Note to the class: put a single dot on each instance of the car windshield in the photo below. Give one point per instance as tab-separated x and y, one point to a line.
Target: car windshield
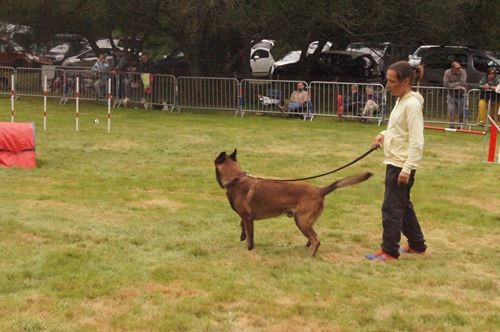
61	48
264	43
314	45
421	51
292	56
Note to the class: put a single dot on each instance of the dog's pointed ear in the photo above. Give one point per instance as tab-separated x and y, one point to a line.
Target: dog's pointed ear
233	155
220	158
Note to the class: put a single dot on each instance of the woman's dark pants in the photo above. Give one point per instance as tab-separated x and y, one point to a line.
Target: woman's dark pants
398	214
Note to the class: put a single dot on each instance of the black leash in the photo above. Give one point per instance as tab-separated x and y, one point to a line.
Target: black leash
320	175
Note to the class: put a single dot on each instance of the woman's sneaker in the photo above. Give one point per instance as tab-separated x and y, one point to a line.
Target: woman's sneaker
410	250
380	256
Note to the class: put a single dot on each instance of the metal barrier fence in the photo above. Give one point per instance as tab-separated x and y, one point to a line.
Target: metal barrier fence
350	100
270	96
58	83
483	103
145	89
6	80
207	92
455	108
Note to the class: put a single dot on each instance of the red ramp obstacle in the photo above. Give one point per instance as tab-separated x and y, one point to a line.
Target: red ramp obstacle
17	145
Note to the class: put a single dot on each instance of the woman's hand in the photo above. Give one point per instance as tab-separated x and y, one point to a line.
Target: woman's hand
378	141
403	178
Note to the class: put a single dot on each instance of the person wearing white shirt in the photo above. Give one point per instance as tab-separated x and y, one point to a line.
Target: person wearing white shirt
403	143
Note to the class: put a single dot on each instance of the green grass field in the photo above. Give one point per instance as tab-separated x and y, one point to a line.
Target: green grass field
130	231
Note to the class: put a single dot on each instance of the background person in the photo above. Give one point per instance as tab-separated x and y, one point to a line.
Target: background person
101	68
487	85
121	81
299	101
403	143
146	68
372	102
455	79
353	101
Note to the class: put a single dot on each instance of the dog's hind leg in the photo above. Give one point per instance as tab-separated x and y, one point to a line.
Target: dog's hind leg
315	243
309	233
243	235
299	226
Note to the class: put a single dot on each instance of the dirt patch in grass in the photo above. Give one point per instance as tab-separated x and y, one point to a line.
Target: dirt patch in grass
173	290
158	202
490	205
117	144
100	313
54	205
254	323
30	237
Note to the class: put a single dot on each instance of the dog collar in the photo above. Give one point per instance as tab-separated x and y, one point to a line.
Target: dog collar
234	181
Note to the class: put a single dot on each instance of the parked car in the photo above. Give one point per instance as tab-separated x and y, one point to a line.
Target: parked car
174	63
294	56
261	59
13	55
415	58
384	53
106	43
87	58
338	66
290	57
131	44
64	46
437	59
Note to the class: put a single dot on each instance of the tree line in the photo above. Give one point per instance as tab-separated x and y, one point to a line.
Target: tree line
216	35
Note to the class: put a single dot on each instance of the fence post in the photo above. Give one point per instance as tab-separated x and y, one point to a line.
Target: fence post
45	93
77	115
12	97
109	104
176	95
240	99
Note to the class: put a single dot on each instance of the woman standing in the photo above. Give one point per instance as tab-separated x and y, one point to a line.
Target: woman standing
403	143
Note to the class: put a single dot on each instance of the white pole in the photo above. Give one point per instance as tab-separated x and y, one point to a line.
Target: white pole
45	92
77	100
12	98
109	104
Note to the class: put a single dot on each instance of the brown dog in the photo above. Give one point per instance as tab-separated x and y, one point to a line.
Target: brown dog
255	199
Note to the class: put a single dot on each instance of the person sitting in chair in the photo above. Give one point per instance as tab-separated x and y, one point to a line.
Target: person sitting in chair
372	102
299	101
353	101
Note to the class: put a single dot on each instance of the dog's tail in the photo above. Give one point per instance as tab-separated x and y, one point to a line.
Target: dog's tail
348	181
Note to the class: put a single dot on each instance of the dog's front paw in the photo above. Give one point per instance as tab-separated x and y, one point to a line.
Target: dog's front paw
243	237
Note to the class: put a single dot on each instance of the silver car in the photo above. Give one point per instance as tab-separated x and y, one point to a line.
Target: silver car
86	59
